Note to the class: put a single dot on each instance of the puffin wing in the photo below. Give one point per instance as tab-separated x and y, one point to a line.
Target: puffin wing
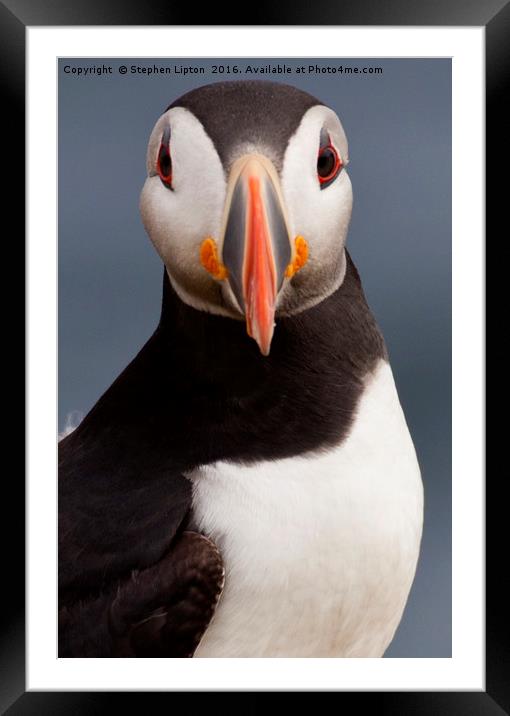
161	611
132	580
113	521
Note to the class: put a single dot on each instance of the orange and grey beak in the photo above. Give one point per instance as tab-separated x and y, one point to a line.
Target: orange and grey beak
256	248
256	251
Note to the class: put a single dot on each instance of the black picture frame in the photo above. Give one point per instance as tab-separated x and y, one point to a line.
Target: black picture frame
15	17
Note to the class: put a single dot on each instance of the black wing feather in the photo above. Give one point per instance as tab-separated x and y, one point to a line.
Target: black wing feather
161	611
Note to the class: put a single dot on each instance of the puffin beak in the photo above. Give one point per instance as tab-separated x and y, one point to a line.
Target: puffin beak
256	243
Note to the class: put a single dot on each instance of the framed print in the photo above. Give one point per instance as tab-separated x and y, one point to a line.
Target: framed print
408	99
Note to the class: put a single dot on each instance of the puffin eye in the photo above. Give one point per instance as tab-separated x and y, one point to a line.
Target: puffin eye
329	164
164	164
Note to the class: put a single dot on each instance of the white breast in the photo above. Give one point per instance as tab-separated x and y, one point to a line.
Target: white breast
320	550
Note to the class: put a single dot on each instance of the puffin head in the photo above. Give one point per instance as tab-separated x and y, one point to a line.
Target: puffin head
247	201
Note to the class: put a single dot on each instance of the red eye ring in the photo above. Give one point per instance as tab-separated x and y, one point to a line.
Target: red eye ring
164	162
329	164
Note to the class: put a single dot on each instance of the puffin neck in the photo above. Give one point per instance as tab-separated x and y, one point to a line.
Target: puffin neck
200	391
339	332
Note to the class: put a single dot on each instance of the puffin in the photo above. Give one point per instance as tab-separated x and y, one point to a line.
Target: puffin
248	485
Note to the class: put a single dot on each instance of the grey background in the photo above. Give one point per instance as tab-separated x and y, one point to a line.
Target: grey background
399	130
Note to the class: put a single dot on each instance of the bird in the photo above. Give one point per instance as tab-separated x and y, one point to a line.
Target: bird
248	485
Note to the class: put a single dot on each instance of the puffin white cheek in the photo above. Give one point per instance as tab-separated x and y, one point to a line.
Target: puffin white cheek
155	210
300	199
177	222
322	217
160	216
336	209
